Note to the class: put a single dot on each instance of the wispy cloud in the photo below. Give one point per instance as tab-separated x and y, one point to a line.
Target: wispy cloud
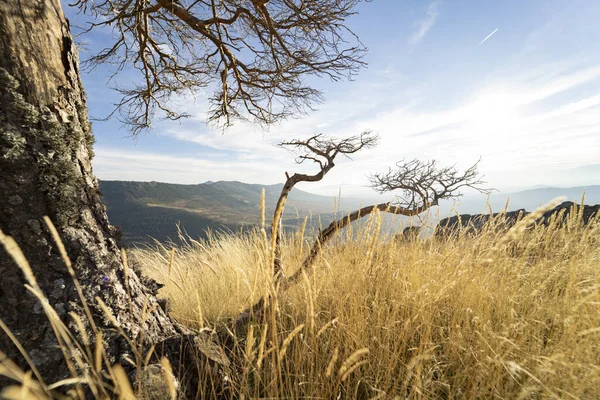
424	25
488	36
111	163
516	125
515	129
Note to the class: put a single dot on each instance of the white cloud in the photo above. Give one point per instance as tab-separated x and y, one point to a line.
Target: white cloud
517	144
526	132
559	84
110	163
424	25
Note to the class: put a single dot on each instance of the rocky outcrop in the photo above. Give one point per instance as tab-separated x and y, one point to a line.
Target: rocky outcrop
564	209
476	222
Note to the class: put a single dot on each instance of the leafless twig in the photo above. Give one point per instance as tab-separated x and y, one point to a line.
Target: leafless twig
256	52
422	184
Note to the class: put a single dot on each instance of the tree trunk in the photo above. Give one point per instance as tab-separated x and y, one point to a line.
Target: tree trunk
45	169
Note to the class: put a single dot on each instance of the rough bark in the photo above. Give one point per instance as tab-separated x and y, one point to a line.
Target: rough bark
277	226
45	169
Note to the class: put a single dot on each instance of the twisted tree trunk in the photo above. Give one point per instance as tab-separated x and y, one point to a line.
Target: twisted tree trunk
258	308
45	169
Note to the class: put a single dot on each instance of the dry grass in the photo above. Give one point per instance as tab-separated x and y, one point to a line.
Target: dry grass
500	315
92	374
506	315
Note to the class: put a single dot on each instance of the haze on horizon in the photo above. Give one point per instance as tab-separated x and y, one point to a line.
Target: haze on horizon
516	84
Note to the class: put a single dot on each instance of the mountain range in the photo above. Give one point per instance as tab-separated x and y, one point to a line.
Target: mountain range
152	210
148	211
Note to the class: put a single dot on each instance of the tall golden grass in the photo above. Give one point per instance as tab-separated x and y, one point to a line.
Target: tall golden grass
504	314
499	315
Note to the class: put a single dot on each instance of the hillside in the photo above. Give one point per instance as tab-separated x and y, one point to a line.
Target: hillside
152	210
146	210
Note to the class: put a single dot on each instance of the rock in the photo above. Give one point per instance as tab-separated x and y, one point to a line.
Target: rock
476	222
202	361
15	200
154	383
409	233
564	209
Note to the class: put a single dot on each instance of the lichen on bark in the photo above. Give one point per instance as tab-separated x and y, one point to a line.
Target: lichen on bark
53	146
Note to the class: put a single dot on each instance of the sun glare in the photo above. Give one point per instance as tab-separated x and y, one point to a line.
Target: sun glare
492	112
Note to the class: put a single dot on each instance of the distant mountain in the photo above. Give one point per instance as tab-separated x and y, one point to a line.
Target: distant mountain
152	210
529	199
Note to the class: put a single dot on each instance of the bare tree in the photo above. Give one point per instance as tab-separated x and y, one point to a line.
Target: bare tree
257	53
421	184
321	150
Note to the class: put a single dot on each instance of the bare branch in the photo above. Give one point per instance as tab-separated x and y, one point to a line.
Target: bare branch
323	149
256	310
422	184
256	54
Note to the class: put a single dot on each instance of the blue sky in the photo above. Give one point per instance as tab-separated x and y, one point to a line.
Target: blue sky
526	100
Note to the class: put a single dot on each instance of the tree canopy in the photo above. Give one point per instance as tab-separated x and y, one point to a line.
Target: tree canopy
256	54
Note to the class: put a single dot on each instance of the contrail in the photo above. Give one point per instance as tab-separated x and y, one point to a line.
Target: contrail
488	36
